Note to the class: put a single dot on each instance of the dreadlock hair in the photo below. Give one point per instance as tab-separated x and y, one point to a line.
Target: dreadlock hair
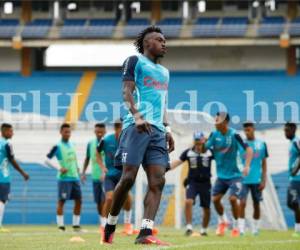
141	36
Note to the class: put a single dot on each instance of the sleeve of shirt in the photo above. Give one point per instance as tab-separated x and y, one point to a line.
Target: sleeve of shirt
9	152
129	68
240	141
52	152
266	151
210	141
297	146
212	154
183	156
100	146
88	151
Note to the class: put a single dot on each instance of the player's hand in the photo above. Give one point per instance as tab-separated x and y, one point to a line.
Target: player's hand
246	171
104	170
170	141
63	170
262	186
25	176
142	125
83	178
102	178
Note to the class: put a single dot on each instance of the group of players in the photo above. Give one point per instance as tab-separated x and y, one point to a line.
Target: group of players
145	139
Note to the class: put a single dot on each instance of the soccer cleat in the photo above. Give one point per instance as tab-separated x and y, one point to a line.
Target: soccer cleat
62	228
128	229
4	230
77	229
221	229
203	234
235	232
150	239
188	232
154	231
107	238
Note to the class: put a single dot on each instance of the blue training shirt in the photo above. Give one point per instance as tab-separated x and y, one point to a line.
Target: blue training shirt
294	154
6	155
226	152
260	152
109	146
151	87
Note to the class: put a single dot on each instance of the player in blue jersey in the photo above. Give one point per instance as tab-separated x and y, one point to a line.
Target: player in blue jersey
144	139
226	144
293	194
108	146
7	159
68	177
255	181
197	182
97	171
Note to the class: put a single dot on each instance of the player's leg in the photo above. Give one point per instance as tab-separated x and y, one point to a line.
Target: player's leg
99	199
235	186
205	199
128	227
220	188
156	181
243	204
77	197
4	194
257	198
293	198
189	202
63	194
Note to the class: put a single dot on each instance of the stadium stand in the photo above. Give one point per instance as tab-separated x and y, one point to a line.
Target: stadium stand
233	27
100	28
171	27
134	26
271	26
8	27
294	27
73	28
38	28
206	27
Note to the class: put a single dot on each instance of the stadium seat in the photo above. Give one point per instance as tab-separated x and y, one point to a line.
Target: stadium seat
134	26
271	26
205	27
171	27
38	28
73	28
233	27
8	27
294	27
100	28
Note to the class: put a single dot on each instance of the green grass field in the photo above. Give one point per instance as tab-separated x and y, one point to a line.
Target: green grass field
47	237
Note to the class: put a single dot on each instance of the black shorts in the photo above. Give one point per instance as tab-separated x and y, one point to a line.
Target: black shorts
203	189
4	191
293	194
69	190
255	192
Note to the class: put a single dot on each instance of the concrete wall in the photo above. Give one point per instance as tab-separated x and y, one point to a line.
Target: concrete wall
10	60
225	58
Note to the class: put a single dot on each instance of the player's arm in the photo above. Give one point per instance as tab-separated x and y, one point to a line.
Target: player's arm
128	89
249	153
208	143
49	161
182	158
170	140
12	160
264	169
85	163
99	159
296	166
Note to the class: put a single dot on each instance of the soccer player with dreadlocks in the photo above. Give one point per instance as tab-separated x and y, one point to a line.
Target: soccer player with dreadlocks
146	137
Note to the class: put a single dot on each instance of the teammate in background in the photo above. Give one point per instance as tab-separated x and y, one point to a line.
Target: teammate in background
198	181
7	158
108	146
144	139
97	171
293	194
68	177
255	182
225	144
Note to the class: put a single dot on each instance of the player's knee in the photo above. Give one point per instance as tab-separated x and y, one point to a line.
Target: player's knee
243	203
189	202
158	184
127	181
232	199
216	199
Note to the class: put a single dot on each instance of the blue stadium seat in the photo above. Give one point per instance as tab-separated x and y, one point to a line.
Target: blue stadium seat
73	28
100	28
8	27
205	27
38	28
294	27
271	26
171	27
135	26
233	27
